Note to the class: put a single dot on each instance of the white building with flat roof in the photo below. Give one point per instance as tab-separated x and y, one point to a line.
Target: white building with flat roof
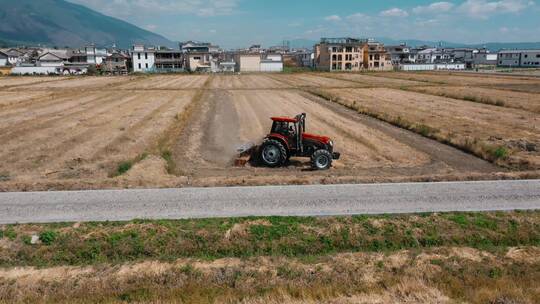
143	59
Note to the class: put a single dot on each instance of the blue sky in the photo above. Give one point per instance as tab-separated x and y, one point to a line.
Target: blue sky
238	23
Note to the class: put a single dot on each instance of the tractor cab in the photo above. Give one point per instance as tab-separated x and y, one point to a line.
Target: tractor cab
287	127
288	138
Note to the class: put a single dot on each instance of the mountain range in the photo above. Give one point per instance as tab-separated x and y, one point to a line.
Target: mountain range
61	23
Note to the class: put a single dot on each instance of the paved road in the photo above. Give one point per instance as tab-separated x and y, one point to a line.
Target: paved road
118	205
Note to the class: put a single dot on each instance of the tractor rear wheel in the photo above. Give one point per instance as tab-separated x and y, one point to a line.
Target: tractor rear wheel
321	160
273	153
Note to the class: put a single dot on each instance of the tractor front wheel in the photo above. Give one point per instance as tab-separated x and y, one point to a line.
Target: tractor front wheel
273	153
321	160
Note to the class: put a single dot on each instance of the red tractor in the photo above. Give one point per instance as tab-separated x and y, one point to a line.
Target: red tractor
288	139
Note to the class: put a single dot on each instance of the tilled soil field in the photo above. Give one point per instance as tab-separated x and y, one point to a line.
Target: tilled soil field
166	82
180	130
84	82
460	122
373	81
517	100
22	81
248	81
313	80
83	136
460	79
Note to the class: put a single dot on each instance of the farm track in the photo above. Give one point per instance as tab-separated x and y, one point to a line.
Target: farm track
78	131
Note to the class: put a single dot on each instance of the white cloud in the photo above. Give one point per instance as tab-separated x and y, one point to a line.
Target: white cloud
434	8
151	27
333	18
394	12
129	8
483	9
358	17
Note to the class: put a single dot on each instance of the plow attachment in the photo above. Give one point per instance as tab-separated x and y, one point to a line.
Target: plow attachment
245	154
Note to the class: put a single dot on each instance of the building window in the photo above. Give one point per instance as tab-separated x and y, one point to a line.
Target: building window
537	55
139	56
526	55
139	66
145	55
146	64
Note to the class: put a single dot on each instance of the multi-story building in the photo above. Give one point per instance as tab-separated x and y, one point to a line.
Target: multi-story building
199	61
95	55
463	55
340	54
143	59
198	47
376	58
484	57
115	64
168	60
400	54
519	58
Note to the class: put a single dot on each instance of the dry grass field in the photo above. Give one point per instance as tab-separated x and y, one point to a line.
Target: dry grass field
474	258
179	130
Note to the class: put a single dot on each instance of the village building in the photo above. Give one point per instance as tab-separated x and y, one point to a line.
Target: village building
143	59
340	54
519	58
376	58
116	63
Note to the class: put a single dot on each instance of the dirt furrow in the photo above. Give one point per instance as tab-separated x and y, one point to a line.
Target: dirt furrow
32	137
17	99
86	82
447	78
143	134
502	98
71	147
12	82
309	80
479	128
88	152
372	81
97	104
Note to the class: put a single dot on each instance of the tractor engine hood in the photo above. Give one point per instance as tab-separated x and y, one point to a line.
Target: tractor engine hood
323	139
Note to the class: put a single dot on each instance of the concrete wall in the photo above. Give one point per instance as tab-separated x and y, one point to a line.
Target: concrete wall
271	66
432	67
249	63
34	70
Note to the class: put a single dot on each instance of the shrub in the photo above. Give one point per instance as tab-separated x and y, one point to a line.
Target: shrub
124	167
48	237
500	153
